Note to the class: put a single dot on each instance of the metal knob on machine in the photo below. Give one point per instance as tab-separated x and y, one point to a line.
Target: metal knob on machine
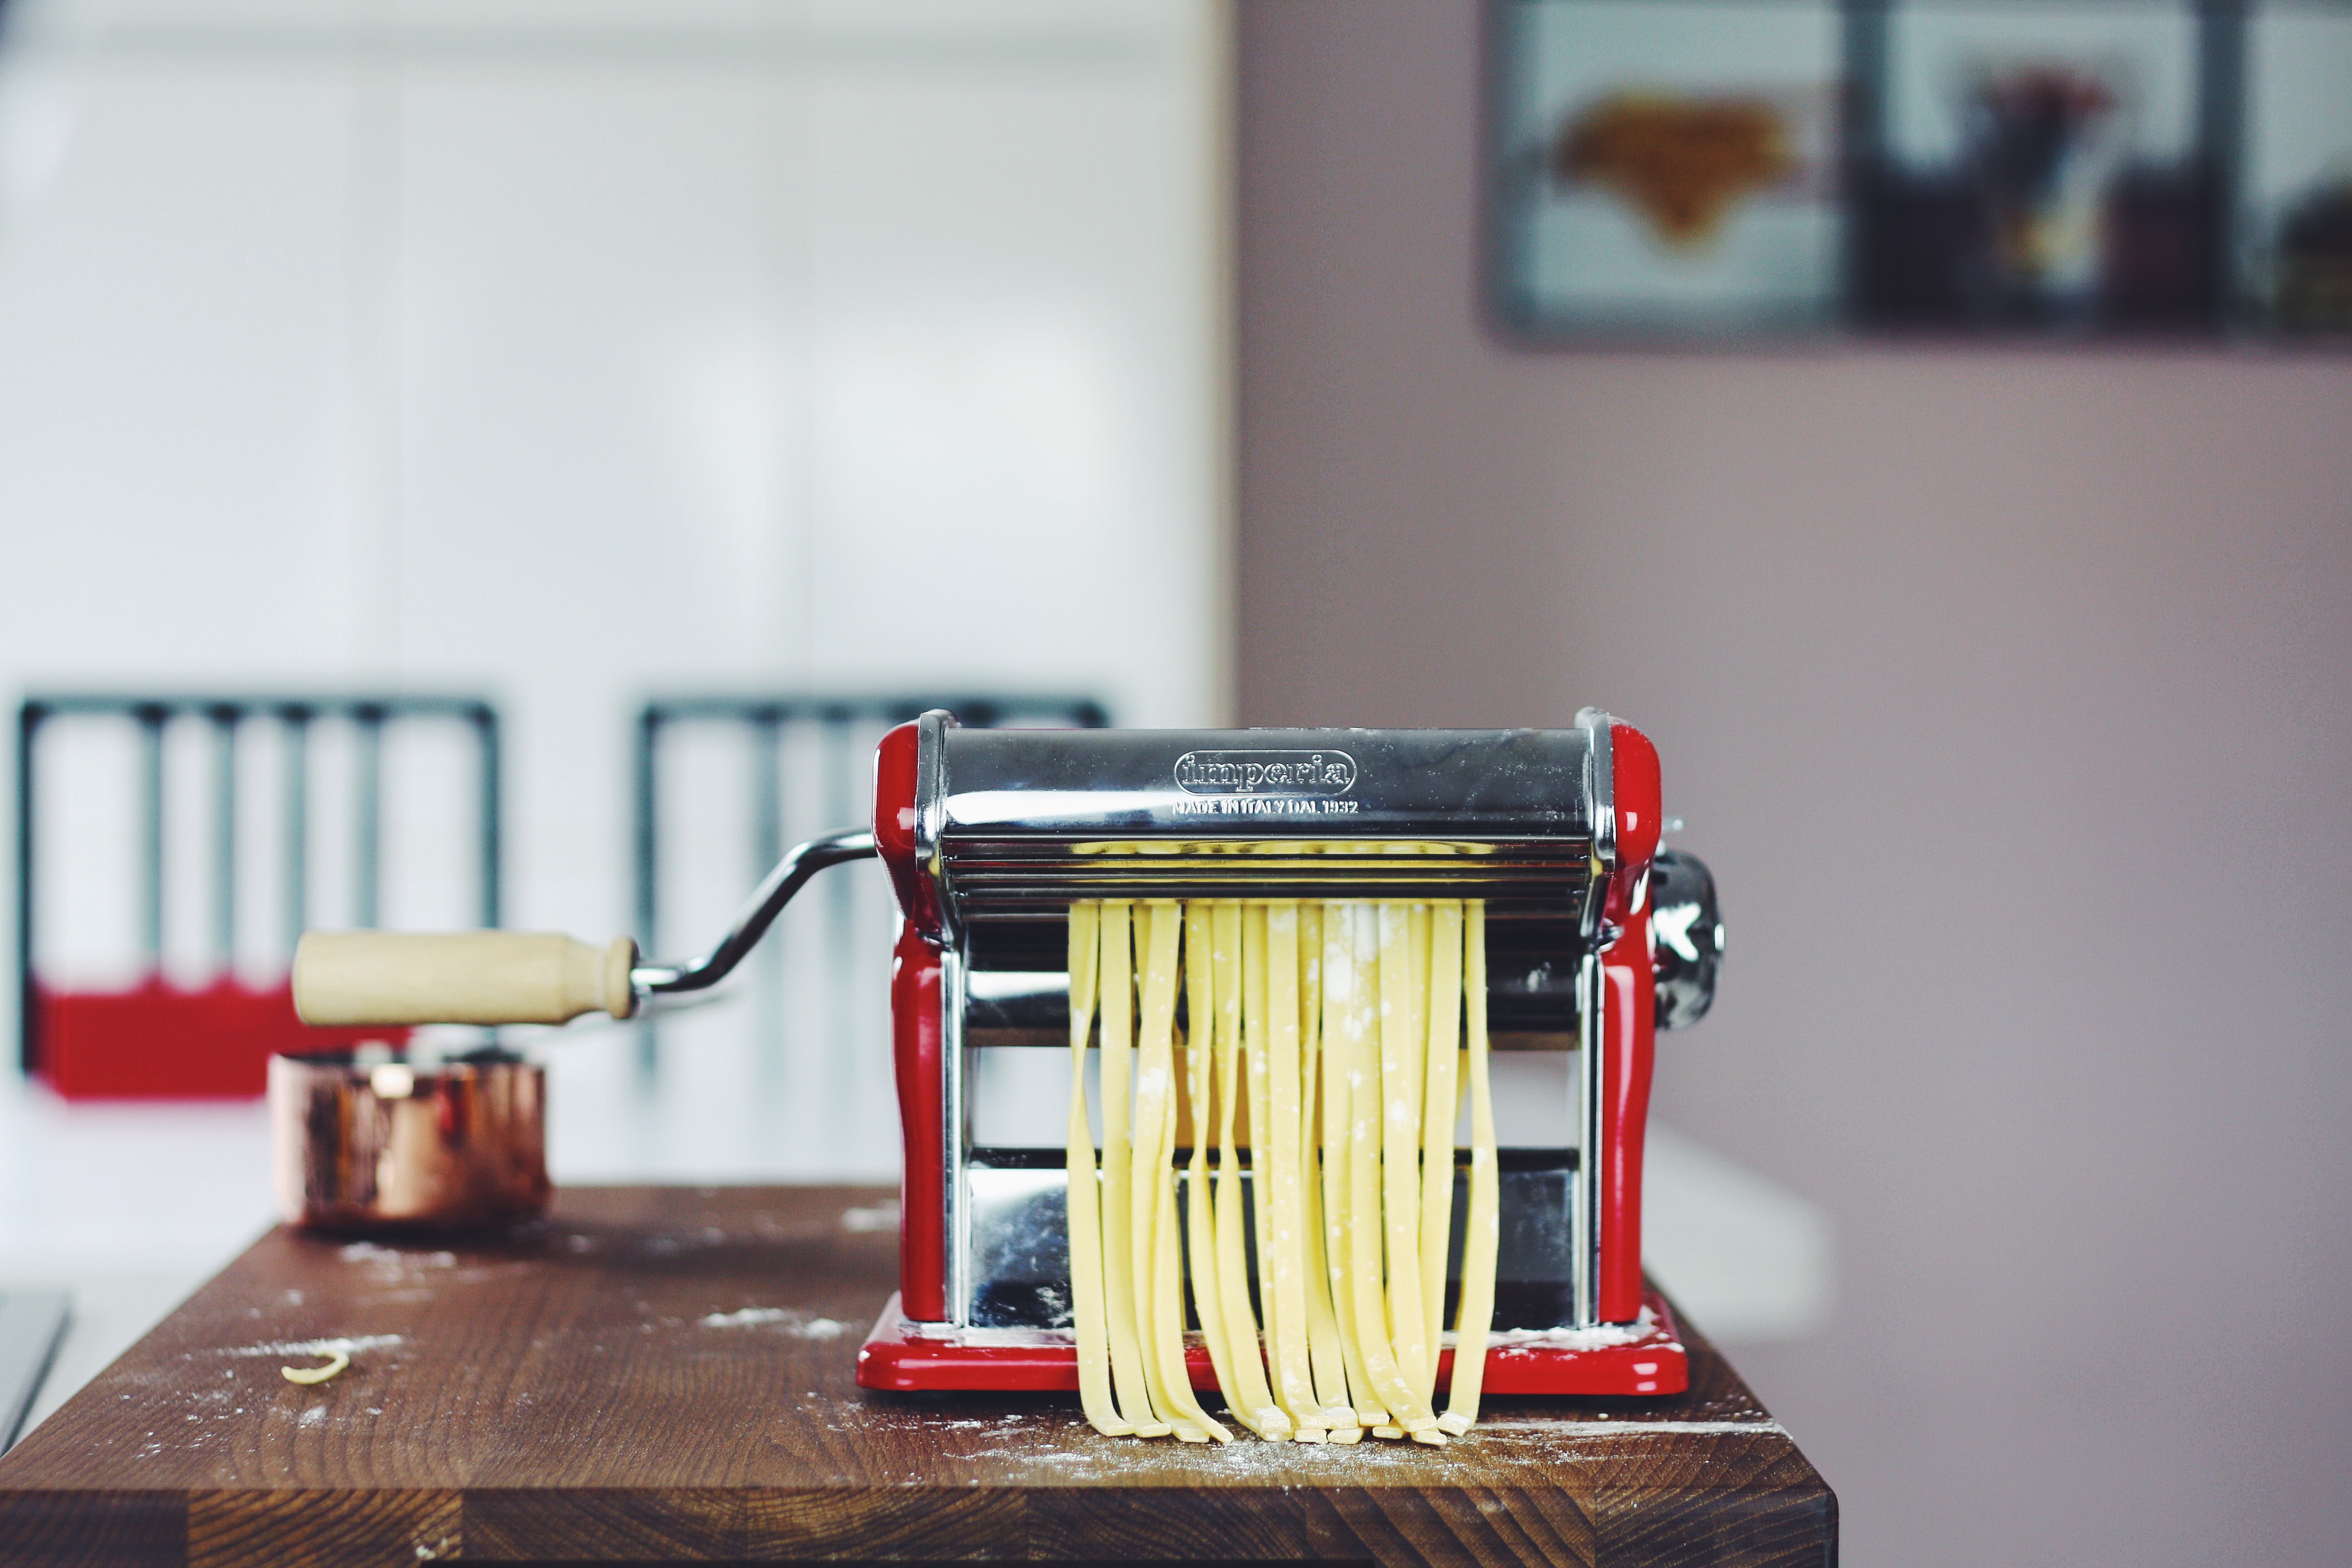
1686	937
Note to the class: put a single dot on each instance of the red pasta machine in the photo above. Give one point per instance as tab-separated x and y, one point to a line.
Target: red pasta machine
1597	936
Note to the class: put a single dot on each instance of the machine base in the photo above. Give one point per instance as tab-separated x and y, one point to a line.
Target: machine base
1639	1358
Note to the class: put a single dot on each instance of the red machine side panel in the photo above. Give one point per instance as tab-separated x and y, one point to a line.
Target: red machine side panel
1633	762
918	1040
894	828
1628	1008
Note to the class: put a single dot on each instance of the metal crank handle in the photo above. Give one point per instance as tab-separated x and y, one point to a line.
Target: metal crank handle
364	977
800	862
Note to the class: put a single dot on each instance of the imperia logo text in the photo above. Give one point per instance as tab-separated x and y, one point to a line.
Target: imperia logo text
1293	774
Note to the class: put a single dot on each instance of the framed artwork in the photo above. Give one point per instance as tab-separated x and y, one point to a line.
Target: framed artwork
1667	165
2026	167
1724	169
2294	235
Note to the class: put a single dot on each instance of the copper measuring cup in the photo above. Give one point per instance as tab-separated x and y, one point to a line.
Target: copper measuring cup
374	1140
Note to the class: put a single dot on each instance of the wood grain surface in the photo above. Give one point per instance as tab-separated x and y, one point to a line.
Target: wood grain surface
664	1374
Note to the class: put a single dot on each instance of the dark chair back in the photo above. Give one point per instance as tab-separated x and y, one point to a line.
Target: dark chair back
827	741
159	1038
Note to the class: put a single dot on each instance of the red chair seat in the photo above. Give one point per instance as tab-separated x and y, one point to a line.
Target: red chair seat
157	1041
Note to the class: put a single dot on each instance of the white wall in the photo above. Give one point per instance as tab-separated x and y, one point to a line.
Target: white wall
569	353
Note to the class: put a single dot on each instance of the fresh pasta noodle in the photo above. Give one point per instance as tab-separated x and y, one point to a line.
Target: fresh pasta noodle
1199	1082
1381	953
1159	1292
1481	1228
1259	1092
1288	1258
1342	1023
1084	1193
1334	1039
1152	1075
1402	1048
1248	1392
1327	1360
1442	998
1114	986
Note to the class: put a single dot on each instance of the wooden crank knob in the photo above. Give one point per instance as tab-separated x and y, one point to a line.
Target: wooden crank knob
348	978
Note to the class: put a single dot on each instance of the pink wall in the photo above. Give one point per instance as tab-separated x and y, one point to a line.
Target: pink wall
2010	694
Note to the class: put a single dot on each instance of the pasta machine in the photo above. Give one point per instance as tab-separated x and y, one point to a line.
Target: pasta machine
1596	937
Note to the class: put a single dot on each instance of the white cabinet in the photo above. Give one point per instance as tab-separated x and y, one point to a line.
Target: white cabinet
571	352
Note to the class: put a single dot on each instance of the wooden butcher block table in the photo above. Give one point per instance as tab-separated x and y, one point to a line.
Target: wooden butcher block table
666	1374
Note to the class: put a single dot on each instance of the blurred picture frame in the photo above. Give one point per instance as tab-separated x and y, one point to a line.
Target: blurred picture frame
2031	167
1701	171
2294	236
1664	166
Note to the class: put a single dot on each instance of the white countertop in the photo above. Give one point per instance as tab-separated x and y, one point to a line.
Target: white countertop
129	1207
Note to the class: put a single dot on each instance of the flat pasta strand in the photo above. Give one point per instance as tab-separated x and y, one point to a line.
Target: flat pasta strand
1400	1071
1367	1114
1439	1102
1251	1399
1159	938
1286	1261
1087	1313
1254	1048
1481	1234
1194	1423
1343	1022
1199	1213
1327	1362
1115	983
